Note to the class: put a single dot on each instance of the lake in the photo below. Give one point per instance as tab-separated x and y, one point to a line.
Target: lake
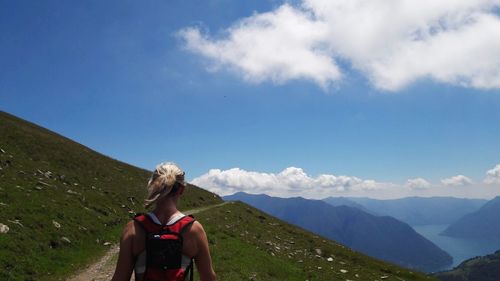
459	248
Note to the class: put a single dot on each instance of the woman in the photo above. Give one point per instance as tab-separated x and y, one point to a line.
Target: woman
164	190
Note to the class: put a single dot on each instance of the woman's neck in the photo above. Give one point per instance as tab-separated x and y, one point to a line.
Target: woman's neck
165	210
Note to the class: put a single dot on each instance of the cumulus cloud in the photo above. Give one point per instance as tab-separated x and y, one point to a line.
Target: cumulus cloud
493	175
393	43
280	45
459	180
291	181
418	183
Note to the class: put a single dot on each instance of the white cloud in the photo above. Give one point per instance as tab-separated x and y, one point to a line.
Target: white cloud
418	183
291	181
458	180
294	181
493	175
394	43
280	45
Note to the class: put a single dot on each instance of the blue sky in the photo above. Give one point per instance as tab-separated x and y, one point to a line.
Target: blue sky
122	78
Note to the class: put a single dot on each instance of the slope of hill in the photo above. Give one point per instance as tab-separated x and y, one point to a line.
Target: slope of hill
61	203
485	268
483	224
381	237
421	210
247	244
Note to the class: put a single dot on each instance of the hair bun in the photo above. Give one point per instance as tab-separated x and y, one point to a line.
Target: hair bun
169	180
162	181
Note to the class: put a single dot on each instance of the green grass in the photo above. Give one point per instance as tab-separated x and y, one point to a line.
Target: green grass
247	244
89	195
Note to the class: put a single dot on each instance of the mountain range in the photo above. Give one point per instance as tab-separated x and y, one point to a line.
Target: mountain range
382	237
415	210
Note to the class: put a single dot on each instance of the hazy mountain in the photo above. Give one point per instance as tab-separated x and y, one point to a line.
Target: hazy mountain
485	268
421	210
382	237
483	224
344	201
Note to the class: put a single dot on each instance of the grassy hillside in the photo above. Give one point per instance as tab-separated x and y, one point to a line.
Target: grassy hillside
389	239
247	244
63	202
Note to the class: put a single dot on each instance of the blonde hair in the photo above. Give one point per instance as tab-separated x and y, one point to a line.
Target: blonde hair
162	182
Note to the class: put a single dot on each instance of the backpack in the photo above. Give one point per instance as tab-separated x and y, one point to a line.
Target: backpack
164	249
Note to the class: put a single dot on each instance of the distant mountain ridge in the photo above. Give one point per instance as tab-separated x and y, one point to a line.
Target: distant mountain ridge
345	201
382	237
484	223
419	210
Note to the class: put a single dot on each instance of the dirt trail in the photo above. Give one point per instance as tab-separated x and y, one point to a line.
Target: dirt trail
103	269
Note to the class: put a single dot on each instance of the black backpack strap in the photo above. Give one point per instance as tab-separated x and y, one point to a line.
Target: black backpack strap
190	269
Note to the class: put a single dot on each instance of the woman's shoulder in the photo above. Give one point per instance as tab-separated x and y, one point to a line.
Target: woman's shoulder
132	229
196	229
196	226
